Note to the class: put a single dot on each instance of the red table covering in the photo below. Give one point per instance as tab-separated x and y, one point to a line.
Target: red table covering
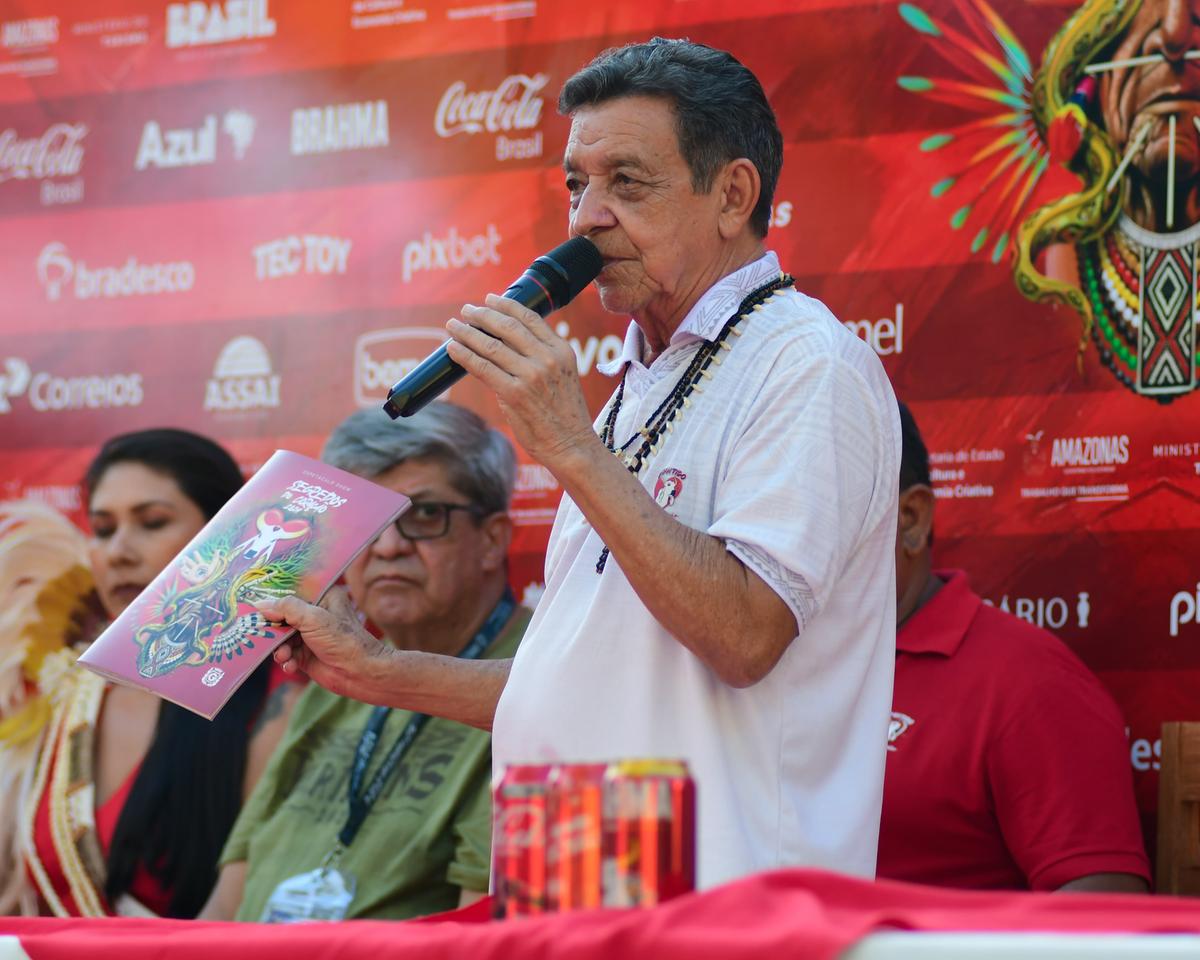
788	912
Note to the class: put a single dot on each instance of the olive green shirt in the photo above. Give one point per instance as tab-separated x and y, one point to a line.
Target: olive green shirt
428	836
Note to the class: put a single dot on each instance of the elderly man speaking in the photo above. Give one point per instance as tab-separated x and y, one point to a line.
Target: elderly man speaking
720	579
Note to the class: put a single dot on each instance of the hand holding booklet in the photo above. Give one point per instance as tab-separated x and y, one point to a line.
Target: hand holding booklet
194	635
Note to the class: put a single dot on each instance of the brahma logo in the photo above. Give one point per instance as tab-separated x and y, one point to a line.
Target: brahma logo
26	34
189	148
340	126
452	251
513	105
199	24
56	271
50	393
242	379
385	356
1089	451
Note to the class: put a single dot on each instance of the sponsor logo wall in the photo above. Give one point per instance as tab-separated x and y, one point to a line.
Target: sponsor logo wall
231	218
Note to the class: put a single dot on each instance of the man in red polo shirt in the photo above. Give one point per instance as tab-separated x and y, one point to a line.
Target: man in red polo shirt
1008	763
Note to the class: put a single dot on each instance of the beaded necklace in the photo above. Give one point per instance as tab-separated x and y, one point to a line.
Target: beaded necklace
662	420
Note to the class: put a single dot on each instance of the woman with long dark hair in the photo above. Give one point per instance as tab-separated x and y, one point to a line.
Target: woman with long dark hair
133	797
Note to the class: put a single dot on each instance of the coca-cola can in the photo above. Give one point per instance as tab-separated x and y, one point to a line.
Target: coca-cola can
577	840
519	861
650	806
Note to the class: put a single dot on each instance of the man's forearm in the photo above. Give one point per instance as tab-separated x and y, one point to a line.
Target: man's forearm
462	690
692	585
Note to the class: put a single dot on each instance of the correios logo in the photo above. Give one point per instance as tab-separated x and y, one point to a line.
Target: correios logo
451	252
48	392
1089	451
198	24
242	378
384	356
186	147
513	106
60	274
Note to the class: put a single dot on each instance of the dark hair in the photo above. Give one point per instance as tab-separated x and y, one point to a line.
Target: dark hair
188	790
914	458
721	111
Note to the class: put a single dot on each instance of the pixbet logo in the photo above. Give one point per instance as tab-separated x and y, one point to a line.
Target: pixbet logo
1184	608
198	24
452	251
49	393
311	253
384	356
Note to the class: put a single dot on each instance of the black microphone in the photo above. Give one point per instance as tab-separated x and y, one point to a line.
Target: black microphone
552	281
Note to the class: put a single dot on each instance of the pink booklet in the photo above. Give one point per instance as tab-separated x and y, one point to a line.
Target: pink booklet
193	635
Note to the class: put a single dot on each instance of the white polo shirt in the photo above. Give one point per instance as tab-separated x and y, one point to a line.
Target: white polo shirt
791	457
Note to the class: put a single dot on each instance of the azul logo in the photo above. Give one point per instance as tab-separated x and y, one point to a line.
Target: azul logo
593	350
1089	451
198	24
58	273
452	251
310	253
1048	612
512	106
189	148
385	356
342	126
242	378
48	392
35	32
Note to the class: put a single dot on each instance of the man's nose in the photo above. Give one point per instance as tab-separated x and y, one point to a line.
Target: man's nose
392	543
1175	32
591	213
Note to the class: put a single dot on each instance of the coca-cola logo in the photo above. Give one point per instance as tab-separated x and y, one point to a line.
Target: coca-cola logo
520	827
511	106
56	153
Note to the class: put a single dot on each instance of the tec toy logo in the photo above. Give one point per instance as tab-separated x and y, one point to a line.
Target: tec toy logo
668	487
898	725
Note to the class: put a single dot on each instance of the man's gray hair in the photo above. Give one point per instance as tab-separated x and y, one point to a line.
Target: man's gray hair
479	460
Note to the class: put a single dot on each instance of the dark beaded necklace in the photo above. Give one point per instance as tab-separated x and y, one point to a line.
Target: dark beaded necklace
661	421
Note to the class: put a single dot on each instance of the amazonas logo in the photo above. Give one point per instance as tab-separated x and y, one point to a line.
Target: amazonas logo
242	379
48	392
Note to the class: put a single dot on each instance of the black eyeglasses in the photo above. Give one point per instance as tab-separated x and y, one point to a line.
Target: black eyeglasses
428	520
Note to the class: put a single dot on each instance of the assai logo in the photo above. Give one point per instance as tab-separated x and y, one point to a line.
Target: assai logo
59	274
190	147
242	379
454	251
48	392
385	356
1052	613
28	34
511	106
309	253
340	126
197	24
1089	451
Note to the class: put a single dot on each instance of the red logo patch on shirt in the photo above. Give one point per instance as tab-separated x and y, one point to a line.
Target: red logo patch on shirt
897	726
669	486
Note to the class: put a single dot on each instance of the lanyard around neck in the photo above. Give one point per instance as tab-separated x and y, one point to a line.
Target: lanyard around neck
361	800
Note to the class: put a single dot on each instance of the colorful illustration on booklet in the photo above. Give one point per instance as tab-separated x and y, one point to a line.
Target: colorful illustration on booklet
1115	104
204	614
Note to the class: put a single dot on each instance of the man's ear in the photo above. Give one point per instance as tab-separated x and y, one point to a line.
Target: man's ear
498	531
915	524
740	186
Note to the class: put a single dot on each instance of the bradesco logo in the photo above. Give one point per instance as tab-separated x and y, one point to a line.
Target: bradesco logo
48	392
59	274
513	106
198	24
384	356
242	378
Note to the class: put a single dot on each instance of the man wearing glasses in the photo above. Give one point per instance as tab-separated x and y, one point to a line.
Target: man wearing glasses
415	837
